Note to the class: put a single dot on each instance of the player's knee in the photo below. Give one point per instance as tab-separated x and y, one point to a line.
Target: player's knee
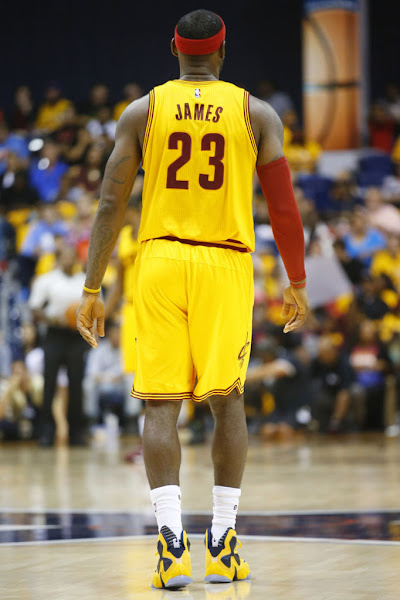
165	411
225	405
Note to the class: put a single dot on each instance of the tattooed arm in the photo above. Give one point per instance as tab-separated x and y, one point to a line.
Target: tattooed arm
117	185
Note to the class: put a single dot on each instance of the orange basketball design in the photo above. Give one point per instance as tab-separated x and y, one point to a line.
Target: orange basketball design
331	78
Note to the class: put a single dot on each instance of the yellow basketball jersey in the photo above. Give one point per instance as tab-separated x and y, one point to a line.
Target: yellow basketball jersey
127	251
199	156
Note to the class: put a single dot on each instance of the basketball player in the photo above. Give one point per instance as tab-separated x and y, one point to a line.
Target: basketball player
200	140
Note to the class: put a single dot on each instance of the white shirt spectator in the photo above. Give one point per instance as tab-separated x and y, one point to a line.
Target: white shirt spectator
96	129
55	291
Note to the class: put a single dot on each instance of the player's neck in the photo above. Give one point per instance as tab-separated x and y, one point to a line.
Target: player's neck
198	73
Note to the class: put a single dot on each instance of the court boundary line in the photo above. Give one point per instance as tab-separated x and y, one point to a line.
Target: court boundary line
200	536
249	513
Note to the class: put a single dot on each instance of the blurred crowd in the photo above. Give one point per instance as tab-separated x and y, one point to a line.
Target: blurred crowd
341	373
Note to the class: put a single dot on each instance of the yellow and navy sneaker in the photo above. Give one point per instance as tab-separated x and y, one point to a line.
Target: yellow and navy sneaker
223	564
174	568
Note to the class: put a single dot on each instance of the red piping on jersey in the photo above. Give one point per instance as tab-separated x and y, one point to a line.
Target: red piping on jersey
208	244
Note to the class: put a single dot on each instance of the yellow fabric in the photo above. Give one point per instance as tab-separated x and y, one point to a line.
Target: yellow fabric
18	216
384	263
128	338
396	151
127	251
67	210
46	262
178	197
119	109
193	313
20	234
50	115
128	247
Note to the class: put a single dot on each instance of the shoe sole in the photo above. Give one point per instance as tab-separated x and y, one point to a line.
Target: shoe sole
223	579
217	579
176	582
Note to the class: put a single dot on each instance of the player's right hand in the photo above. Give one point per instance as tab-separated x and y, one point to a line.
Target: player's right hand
298	298
90	310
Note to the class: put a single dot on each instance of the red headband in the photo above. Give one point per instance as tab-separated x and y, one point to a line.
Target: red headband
204	46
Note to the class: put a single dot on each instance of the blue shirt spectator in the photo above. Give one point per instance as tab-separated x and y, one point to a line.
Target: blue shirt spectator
10	142
363	241
40	237
46	173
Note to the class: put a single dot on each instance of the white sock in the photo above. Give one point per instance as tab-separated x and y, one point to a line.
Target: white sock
167	507
225	507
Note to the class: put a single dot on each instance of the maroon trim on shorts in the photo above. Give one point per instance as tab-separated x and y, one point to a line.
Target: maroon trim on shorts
196	243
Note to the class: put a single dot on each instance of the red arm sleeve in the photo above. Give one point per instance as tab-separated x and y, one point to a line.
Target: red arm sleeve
284	215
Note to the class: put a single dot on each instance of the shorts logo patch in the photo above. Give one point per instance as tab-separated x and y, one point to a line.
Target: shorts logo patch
197	93
244	350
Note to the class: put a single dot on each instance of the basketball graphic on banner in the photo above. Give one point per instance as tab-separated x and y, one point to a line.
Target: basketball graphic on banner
331	73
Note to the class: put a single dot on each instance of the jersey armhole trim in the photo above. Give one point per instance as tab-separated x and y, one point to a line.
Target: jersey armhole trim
246	110
149	120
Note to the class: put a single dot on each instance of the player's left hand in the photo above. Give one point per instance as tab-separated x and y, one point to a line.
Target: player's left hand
299	298
90	309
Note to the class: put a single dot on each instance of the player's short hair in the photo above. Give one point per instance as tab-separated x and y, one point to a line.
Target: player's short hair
199	24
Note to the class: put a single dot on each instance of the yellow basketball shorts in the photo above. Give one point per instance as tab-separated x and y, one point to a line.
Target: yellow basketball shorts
193	320
127	337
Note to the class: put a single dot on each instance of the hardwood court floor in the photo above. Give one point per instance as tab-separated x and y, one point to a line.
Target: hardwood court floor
285	487
122	570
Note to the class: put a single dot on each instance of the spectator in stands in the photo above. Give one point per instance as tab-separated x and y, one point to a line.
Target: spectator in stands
81	225
316	232
5	356
51	113
131	92
53	301
102	125
301	154
391	101
104	380
387	262
7	239
16	192
11	142
46	173
370	360
363	241
40	239
22	115
391	183
353	267
343	194
332	379
20	400
87	177
280	374
369	301
381	214
381	128
280	101
75	153
99	97
66	135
